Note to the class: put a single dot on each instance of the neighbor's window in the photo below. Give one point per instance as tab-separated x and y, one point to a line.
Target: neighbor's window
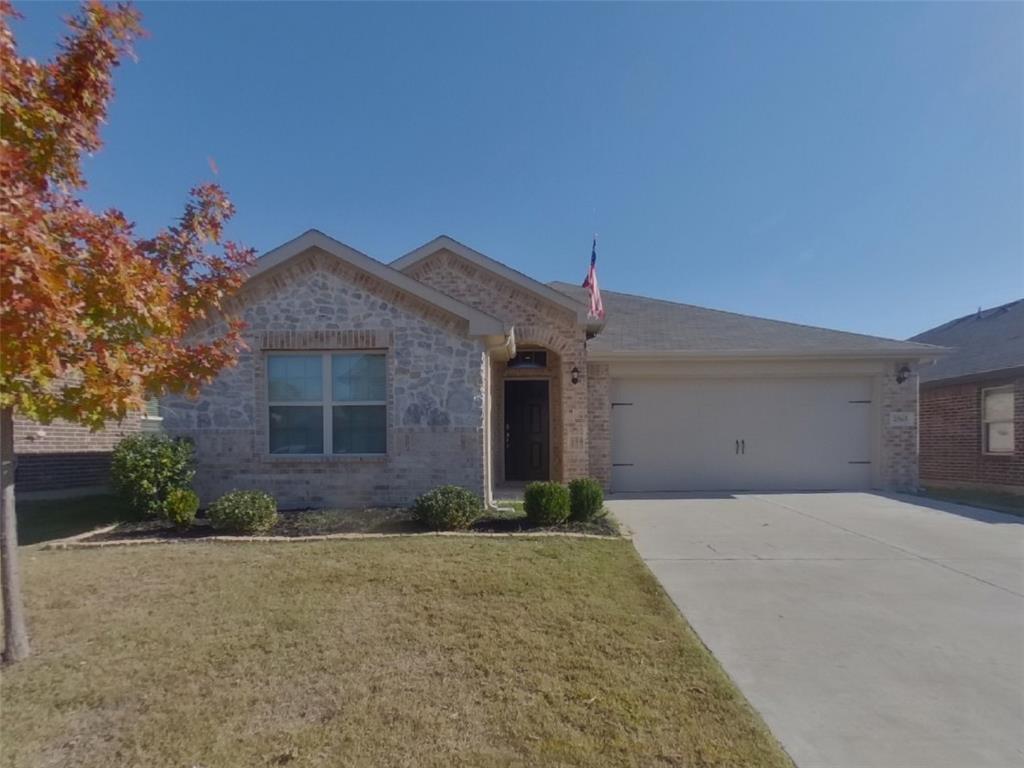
997	419
327	403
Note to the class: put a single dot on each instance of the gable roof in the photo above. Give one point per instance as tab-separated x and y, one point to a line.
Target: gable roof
985	341
444	242
480	323
639	327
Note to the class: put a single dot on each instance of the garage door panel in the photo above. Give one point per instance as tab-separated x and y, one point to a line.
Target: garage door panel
733	434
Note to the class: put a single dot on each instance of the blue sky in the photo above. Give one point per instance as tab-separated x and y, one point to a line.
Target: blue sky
856	166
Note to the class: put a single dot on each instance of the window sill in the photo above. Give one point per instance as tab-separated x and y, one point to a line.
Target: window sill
999	455
320	458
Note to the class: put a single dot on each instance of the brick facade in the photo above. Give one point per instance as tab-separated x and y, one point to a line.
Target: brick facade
63	456
435	392
951	437
538	323
599	423
899	457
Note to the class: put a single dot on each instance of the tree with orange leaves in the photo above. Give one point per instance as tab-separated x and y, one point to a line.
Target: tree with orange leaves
93	318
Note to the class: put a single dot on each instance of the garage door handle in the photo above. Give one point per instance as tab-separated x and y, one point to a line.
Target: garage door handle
743	447
737	447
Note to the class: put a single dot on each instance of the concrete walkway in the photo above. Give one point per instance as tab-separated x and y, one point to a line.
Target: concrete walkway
868	631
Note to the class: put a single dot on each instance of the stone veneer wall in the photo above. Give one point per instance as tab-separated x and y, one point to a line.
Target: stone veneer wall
537	323
899	470
435	392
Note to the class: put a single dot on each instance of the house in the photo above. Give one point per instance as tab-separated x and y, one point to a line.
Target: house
65	458
368	383
972	402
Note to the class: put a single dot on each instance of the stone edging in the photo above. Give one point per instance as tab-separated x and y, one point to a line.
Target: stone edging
76	542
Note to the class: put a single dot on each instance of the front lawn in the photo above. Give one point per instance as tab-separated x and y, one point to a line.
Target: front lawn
400	652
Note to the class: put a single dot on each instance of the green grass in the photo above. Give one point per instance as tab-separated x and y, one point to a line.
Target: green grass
402	652
516	505
46	520
1009	503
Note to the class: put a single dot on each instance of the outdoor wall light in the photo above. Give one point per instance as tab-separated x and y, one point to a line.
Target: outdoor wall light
902	374
575	372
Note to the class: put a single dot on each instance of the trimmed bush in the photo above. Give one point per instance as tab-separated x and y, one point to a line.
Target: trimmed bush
244	512
180	506
546	503
448	508
145	468
586	499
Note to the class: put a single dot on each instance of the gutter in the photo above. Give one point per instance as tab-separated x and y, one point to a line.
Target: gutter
998	374
920	354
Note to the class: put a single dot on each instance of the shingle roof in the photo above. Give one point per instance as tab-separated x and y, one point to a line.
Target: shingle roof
637	324
988	340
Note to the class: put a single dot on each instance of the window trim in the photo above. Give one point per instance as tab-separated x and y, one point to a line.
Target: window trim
326	403
146	415
1011	421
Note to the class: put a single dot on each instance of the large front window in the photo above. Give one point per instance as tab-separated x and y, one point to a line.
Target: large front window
327	403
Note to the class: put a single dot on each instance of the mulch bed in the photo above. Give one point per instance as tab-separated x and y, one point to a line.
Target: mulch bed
316	522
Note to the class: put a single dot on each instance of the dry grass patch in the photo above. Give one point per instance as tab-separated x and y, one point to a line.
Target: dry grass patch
424	652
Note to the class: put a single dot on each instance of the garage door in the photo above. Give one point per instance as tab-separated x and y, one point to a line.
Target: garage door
741	434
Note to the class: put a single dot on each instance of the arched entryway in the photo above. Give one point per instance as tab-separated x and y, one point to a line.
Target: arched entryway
527	400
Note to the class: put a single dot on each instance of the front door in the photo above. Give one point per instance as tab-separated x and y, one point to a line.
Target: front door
526	430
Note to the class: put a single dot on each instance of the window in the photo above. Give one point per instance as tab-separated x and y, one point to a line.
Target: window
997	419
151	418
529	358
327	403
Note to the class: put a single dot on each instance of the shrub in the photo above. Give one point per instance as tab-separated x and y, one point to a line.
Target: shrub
244	512
448	508
586	499
146	468
180	507
546	503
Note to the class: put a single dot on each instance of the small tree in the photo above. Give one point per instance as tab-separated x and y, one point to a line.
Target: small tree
93	319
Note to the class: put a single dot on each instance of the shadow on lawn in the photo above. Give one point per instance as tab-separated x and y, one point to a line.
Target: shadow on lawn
41	520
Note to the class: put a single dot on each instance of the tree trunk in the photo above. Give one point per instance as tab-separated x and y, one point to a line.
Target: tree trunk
15	633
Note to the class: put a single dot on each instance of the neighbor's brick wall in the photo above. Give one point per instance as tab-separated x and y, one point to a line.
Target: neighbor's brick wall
951	437
435	392
599	431
61	455
899	459
538	322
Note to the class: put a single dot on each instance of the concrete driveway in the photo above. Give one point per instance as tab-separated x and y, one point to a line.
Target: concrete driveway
867	630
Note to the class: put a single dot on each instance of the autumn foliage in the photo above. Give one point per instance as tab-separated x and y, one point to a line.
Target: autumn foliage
94	318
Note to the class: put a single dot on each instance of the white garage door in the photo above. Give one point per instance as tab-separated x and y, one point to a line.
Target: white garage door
741	434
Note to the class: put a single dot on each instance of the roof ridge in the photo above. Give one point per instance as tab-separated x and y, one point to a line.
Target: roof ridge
752	317
316	238
979	314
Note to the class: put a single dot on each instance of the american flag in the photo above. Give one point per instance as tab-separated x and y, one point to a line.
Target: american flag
590	283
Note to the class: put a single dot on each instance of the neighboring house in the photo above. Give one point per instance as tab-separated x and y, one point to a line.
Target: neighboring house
972	402
69	457
367	383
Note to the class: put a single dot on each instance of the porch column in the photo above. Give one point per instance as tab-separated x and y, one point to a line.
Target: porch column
575	454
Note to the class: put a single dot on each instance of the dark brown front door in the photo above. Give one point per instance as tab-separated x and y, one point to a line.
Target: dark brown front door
526	430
